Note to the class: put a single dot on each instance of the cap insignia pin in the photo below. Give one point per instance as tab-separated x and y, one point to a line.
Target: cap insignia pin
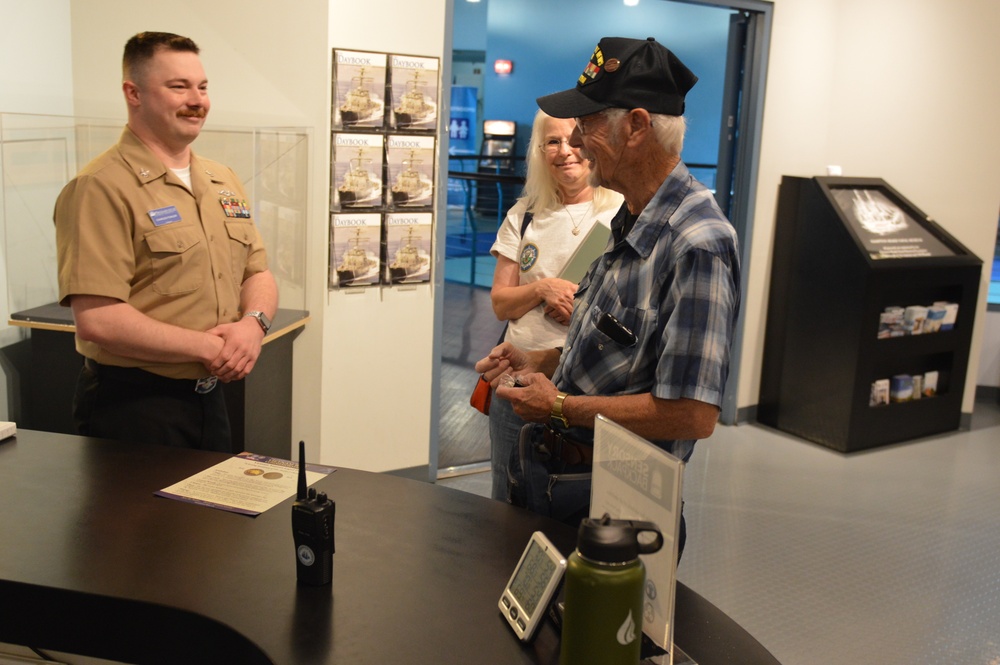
612	65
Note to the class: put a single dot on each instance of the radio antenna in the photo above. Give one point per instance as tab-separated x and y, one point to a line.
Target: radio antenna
302	471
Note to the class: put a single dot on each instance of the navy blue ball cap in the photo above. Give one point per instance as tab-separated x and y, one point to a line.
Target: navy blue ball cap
625	73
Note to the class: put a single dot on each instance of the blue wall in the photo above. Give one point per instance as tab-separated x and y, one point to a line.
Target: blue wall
469	32
550	43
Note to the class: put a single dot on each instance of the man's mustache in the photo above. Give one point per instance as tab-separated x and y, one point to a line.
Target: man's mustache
199	112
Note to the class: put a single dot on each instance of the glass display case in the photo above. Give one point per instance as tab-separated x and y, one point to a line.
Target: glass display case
39	154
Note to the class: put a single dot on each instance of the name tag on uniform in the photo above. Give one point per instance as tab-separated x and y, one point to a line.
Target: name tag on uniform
162	216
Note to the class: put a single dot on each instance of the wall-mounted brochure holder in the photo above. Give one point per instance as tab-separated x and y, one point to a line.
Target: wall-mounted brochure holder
382	175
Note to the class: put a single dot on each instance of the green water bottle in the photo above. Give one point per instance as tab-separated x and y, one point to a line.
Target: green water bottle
602	622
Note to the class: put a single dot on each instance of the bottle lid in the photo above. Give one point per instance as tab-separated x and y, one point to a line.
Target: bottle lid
616	541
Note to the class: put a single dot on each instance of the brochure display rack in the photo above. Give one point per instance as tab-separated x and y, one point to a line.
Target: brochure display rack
870	317
383	151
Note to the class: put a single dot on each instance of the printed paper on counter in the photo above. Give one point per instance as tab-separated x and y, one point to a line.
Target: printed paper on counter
247	483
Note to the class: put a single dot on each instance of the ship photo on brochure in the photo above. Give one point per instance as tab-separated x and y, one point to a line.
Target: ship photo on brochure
414	88
408	247
359	84
356	240
410	171
357	171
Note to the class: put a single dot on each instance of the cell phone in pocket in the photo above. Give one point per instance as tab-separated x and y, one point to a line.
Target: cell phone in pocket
614	329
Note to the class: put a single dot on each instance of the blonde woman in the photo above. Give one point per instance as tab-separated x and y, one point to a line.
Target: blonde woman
527	292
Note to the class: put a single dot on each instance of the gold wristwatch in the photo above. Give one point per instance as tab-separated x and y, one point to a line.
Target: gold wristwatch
557	410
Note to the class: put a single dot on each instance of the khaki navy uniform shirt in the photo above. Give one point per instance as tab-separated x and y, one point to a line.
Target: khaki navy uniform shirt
128	228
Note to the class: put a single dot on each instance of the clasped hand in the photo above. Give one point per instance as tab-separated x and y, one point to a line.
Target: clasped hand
558	299
240	349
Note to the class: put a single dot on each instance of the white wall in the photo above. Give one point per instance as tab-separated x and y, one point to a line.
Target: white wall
380	368
905	90
35	64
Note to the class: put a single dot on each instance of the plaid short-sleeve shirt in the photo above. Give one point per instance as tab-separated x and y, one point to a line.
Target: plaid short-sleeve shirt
674	283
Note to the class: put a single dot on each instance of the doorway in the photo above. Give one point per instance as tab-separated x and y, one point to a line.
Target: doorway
462	437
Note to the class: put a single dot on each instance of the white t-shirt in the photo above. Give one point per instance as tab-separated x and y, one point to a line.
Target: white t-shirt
546	248
184	174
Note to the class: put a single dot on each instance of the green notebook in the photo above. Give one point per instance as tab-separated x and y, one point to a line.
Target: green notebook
591	247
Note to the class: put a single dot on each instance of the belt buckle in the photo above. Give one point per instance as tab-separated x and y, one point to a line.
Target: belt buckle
206	385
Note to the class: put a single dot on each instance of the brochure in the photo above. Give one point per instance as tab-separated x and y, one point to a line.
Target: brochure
359	83
247	484
357	243
408	247
410	166
357	171
414	92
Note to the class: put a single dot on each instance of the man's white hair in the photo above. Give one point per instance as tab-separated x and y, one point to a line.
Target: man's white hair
668	129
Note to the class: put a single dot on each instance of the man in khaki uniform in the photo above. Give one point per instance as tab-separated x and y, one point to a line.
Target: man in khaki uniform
162	264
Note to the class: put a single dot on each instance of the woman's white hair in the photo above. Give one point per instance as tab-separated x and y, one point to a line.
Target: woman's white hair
668	129
541	191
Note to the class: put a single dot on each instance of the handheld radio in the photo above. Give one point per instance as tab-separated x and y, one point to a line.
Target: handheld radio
312	528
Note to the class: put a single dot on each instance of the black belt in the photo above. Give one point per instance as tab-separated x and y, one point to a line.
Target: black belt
568	450
141	377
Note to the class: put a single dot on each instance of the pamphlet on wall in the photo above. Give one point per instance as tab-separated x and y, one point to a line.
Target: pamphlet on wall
356	240
359	83
633	479
408	247
414	92
358	161
410	171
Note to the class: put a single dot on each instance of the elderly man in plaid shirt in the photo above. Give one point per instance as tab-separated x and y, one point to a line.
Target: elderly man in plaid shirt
649	340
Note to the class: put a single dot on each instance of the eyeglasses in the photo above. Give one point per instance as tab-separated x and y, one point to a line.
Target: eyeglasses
581	123
555	145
